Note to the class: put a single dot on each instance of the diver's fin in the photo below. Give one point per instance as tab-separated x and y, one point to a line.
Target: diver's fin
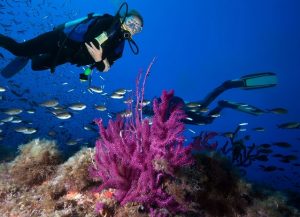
259	80
15	66
247	82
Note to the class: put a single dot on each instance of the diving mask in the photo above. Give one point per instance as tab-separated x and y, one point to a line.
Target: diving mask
132	23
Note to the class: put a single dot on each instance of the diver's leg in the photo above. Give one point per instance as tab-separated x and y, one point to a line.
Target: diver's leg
45	61
44	43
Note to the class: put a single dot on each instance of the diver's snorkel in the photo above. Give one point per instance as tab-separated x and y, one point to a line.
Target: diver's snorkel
110	33
132	43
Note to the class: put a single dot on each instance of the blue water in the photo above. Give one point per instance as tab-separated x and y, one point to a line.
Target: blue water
198	45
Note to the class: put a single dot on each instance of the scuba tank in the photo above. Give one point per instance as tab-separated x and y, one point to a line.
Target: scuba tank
76	29
74	23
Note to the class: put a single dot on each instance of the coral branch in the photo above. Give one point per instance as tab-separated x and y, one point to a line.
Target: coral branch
135	157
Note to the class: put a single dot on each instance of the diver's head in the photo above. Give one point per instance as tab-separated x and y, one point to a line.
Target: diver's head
133	22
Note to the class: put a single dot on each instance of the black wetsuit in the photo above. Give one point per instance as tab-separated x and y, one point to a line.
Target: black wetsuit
55	48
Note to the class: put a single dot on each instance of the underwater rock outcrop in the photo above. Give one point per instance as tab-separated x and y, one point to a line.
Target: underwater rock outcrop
39	183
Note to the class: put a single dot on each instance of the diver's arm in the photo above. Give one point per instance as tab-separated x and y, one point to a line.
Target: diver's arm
103	66
106	64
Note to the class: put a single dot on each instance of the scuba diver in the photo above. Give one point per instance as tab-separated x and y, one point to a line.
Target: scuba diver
95	40
197	112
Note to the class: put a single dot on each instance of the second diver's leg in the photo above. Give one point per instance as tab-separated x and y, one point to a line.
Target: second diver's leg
45	61
44	43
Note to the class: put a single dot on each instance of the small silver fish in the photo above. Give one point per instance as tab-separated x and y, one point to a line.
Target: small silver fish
193	104
63	116
188	118
120	91
192	131
87	128
77	106
50	103
116	96
13	111
100	108
25	130
16	120
30	111
96	89
29	130
8	119
216	115
2	89
145	102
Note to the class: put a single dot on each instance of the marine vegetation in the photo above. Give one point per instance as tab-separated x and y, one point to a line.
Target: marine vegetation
38	161
235	149
201	143
135	158
242	155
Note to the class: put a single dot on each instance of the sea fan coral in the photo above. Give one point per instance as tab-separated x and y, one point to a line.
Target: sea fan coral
135	158
202	142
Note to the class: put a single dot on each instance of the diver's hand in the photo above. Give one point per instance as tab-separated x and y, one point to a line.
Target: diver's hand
107	66
94	52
